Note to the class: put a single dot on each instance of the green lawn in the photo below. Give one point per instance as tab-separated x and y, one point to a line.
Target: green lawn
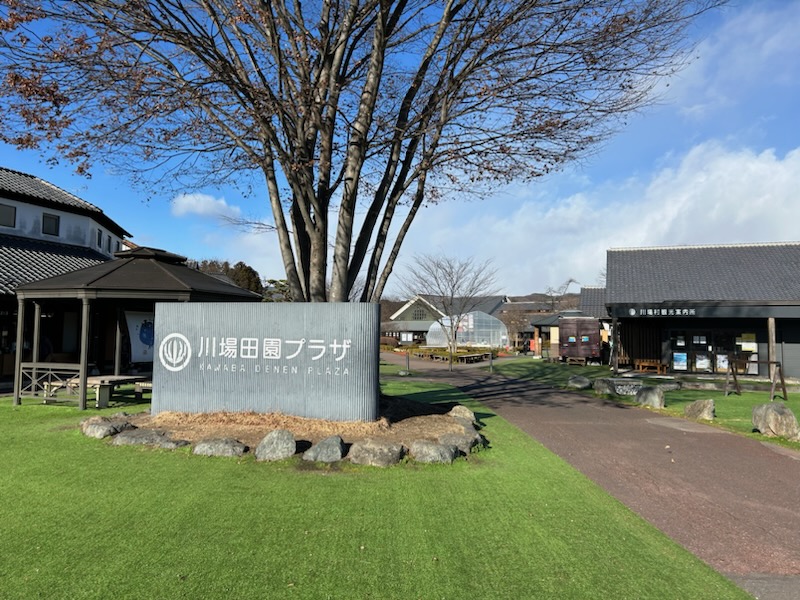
733	412
82	519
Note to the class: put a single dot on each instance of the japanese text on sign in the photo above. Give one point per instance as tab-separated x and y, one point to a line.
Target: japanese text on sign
663	312
271	348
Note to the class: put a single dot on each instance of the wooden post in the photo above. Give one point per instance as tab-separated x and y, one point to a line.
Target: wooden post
771	347
18	356
37	320
84	367
615	349
118	344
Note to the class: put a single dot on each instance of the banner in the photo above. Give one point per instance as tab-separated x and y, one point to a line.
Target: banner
141	330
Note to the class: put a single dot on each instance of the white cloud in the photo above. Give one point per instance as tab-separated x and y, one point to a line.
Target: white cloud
203	205
713	194
755	46
259	250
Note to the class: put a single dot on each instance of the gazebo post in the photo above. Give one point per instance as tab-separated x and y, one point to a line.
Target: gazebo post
118	344
84	366
615	347
37	318
18	355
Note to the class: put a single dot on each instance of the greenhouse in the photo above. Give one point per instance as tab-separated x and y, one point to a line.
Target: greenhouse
475	329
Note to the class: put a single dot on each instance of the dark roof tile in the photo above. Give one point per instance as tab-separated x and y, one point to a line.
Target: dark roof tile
593	302
24	260
487	304
730	273
34	187
29	188
148	271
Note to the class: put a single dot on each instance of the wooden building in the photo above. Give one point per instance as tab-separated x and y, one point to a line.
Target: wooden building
702	309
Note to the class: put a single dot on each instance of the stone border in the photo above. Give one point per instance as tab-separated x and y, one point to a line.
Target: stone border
281	444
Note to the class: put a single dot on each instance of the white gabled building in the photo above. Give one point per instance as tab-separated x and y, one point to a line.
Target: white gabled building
44	231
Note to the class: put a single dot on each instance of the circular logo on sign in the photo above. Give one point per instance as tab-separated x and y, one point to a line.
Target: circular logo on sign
175	352
632	312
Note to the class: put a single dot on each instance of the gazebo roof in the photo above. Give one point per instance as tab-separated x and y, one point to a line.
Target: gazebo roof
147	273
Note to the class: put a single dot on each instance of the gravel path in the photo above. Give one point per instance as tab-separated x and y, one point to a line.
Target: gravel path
732	501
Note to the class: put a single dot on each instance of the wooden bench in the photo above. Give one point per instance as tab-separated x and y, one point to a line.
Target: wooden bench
472	358
576	360
52	387
645	365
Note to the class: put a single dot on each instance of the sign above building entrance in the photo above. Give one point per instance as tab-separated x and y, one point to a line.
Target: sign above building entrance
662	312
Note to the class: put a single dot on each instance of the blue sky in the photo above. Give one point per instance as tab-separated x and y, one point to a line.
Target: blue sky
716	160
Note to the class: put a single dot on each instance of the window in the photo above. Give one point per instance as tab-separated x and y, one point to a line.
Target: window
99	238
108	243
419	314
8	215
50	224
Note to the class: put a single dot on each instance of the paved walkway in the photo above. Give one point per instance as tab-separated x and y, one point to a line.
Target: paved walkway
732	501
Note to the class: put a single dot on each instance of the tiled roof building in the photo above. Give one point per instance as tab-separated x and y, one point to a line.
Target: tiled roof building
45	231
707	309
24	260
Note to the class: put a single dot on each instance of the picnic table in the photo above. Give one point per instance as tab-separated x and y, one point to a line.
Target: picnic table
472	358
103	385
461	358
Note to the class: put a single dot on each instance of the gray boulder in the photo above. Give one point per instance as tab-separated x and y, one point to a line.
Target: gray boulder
375	453
147	437
626	387
329	450
465	442
671	386
579	382
276	445
650	396
604	385
700	409
467	426
220	447
776	420
462	412
426	451
102	427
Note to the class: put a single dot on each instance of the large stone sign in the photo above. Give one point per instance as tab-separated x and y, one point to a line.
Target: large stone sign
317	360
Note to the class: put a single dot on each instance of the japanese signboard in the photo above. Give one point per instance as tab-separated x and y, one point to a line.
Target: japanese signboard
662	312
317	360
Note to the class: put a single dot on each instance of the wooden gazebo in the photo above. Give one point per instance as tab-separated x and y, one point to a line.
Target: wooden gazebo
136	278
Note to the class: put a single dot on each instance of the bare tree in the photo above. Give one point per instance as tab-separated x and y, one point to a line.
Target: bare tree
515	321
354	113
556	296
454	286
